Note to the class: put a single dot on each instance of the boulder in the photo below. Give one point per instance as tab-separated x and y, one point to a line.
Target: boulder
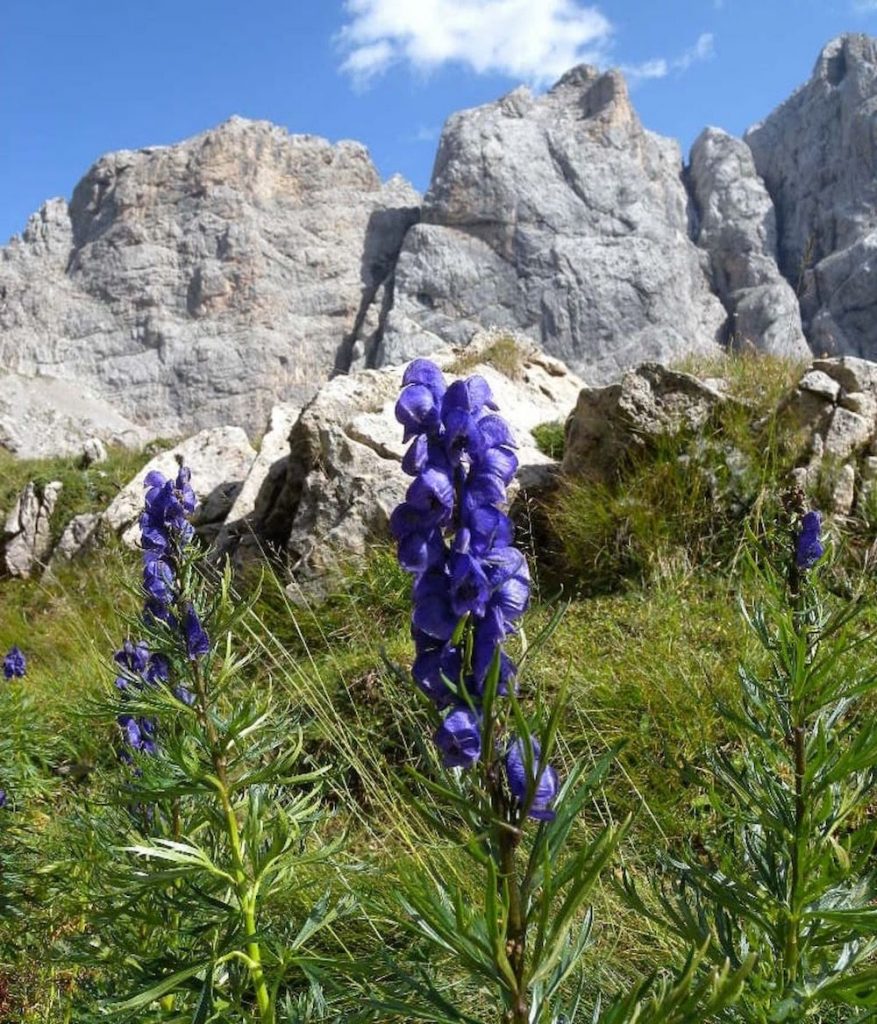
94	451
196	284
77	535
559	216
817	154
28	539
344	476
737	227
43	416
219	458
611	423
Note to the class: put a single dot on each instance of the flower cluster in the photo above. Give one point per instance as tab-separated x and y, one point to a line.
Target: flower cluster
14	664
808	546
165	530
471	584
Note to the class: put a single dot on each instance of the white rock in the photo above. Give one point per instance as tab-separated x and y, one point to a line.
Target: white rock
267	474
94	451
77	534
219	459
44	416
843	494
819	383
650	402
28	529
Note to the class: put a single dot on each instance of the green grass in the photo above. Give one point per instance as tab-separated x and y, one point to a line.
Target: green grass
681	506
503	354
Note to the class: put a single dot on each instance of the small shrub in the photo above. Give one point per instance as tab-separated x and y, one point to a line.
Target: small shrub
503	354
550	438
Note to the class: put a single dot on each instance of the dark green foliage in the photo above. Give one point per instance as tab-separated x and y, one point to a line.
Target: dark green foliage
788	871
550	438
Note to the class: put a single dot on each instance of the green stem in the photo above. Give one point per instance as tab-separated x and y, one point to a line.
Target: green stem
794	923
516	944
506	842
245	893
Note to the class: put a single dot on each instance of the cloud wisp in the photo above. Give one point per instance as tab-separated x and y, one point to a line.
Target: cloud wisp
533	42
659	67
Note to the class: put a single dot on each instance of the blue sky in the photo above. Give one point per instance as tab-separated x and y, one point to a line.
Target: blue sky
81	77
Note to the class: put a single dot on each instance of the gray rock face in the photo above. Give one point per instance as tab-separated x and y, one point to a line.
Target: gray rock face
611	423
28	540
196	284
817	154
219	458
737	227
344	476
44	416
561	217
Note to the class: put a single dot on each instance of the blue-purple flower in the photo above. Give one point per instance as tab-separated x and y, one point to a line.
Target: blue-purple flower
197	641
543	780
4	798
459	738
138	735
14	664
165	531
471	585
808	547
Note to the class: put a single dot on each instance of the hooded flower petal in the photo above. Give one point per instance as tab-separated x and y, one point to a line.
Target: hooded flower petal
546	785
809	548
459	738
197	641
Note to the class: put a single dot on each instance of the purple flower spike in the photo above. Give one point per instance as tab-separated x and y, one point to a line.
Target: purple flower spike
14	664
453	535
459	738
546	784
809	548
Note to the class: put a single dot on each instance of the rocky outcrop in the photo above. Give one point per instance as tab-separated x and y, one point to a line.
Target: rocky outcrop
835	406
561	217
76	537
737	227
344	476
817	154
28	539
611	424
197	284
219	458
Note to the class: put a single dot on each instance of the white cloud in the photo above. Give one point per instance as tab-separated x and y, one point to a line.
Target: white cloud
534	42
865	6
660	67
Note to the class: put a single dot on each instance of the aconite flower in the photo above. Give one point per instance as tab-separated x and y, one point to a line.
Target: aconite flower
546	783
809	548
459	738
471	585
14	664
